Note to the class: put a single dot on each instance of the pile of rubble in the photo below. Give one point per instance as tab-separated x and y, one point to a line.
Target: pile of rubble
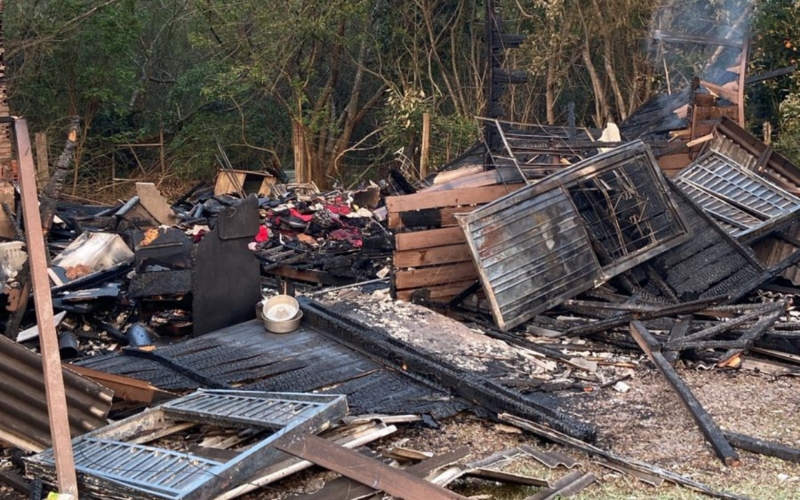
543	266
555	287
148	263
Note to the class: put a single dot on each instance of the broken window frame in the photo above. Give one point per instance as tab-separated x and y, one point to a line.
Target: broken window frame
589	169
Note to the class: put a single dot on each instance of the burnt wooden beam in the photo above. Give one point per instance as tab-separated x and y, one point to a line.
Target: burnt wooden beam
184	370
754	333
707	426
689	340
624	319
433	372
461	297
310	275
632	463
15	481
401	181
680	328
363	469
762	447
788	70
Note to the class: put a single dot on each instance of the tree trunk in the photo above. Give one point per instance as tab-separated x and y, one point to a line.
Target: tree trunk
550	92
601	103
302	167
608	56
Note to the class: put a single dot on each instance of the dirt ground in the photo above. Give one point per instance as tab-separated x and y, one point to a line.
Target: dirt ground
648	423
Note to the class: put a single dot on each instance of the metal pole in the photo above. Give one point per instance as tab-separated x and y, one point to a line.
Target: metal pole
51	361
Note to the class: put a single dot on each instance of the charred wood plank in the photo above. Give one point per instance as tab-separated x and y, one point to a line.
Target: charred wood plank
772	311
623	319
680	328
311	276
401	181
363	469
461	297
175	366
762	447
709	428
15	481
429	217
429	239
435	293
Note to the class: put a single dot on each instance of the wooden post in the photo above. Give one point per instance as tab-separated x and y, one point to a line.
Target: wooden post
51	360
743	78
426	146
42	162
162	152
301	173
767	133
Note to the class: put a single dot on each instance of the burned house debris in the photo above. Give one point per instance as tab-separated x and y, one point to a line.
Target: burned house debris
486	323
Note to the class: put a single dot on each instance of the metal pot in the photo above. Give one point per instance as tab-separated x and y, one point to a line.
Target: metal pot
280	314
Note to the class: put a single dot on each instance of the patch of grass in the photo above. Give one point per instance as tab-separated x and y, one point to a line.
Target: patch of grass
623	490
613	486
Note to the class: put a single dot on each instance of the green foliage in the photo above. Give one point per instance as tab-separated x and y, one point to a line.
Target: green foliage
355	75
776	36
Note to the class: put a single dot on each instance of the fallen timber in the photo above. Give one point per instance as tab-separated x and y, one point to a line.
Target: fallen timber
632	463
710	430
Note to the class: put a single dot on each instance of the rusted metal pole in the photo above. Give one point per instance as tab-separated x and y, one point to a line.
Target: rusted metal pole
51	361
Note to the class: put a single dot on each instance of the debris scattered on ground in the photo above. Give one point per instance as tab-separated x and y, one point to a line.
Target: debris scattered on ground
538	288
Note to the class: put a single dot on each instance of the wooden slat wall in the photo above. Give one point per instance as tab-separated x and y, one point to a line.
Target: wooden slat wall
435	257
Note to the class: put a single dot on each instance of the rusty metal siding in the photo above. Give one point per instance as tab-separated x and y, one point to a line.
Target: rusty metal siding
23	407
533	252
572	231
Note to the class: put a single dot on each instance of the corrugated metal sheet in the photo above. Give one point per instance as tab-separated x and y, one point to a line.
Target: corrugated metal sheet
736	143
735	195
572	231
23	408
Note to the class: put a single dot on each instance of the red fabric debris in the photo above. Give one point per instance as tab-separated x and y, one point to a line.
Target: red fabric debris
263	235
304	218
199	236
339	209
349	235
